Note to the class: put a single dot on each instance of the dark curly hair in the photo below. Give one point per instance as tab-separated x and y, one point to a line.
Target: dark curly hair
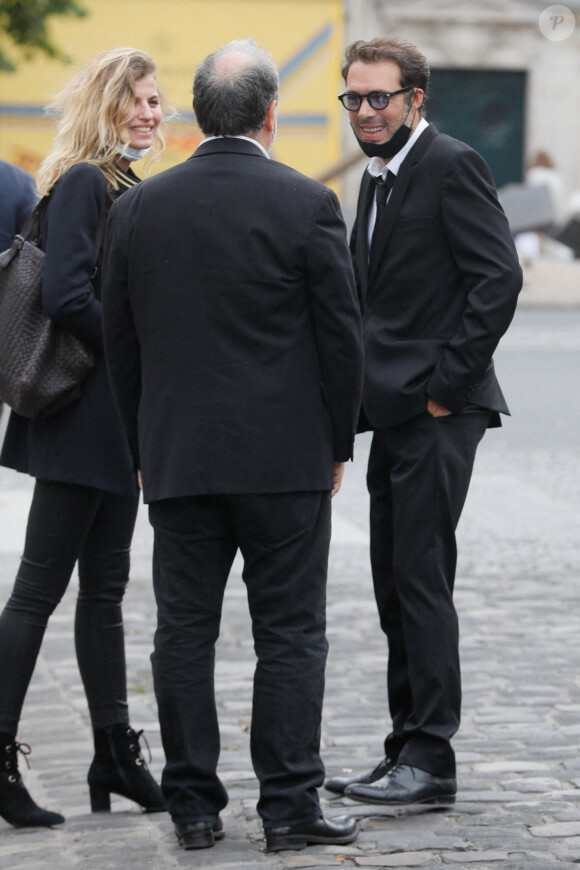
412	64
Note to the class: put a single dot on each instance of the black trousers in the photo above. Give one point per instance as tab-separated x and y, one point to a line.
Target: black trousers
284	541
69	523
418	477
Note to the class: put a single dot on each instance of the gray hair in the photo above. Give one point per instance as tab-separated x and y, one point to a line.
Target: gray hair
234	101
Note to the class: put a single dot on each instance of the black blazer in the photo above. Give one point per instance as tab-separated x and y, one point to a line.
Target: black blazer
442	289
232	329
85	443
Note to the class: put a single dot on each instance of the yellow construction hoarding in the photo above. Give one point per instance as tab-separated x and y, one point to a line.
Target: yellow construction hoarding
304	36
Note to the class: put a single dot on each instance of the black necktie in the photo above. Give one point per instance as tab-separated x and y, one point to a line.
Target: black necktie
382	189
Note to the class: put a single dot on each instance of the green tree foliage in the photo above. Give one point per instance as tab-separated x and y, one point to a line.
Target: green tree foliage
23	25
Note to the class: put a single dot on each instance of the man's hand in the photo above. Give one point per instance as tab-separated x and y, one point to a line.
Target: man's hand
437	410
338	472
139	478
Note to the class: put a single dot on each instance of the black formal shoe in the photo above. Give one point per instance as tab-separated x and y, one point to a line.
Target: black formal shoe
339	783
343	829
199	835
404	784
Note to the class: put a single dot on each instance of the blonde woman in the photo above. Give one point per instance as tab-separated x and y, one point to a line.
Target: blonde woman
85	498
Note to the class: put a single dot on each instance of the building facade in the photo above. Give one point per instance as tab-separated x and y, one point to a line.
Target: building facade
504	76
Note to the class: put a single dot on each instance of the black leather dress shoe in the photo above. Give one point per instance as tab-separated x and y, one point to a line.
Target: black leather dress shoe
199	835
339	783
404	784
343	829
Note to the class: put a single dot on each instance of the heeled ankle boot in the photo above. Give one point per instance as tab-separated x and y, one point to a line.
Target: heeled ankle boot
119	768
16	805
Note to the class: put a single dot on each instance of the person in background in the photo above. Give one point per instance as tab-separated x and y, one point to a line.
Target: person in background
232	335
85	499
18	197
438	280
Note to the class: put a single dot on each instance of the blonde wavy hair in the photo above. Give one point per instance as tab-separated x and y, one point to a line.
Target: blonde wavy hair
92	107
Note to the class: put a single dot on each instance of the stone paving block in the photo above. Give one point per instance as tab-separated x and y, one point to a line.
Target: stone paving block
229	777
399	859
494	836
532	784
496	796
508	765
524	863
309	858
487	856
567	812
570	849
506	716
556	829
390	839
469	756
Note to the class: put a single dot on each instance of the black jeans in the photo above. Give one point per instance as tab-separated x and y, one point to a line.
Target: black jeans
66	524
418	477
284	540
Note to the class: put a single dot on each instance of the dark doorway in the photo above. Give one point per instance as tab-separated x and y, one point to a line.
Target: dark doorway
484	108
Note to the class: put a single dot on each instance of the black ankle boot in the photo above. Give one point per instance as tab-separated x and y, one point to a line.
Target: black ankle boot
119	768
16	805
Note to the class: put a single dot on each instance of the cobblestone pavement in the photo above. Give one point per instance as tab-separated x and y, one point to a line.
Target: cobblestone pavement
517	594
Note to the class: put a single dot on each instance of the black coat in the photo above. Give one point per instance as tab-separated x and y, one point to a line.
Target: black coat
232	328
84	444
443	288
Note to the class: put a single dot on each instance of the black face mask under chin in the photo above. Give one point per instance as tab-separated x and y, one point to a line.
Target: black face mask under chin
388	149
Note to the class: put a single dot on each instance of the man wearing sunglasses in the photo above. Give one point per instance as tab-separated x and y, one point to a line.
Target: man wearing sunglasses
438	279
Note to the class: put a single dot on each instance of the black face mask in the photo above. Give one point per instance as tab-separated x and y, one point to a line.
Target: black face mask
384	150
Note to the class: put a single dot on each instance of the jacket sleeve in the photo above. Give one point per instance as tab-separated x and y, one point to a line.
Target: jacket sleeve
482	245
122	348
72	220
337	321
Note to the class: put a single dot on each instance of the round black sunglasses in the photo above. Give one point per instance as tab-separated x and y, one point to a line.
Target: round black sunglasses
377	100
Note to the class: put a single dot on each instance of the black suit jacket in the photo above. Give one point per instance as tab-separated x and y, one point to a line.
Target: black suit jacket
442	289
232	329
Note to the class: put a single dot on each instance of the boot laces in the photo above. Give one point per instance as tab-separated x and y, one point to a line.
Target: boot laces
12	748
138	735
24	749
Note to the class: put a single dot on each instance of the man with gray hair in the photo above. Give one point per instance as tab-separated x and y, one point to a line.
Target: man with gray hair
234	344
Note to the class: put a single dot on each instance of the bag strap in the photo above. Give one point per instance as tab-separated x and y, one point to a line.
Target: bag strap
99	237
32	225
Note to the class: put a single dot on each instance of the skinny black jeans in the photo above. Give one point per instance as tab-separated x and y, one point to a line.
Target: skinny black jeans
68	523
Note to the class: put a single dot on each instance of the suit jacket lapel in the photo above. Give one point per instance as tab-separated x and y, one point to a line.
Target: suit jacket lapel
398	193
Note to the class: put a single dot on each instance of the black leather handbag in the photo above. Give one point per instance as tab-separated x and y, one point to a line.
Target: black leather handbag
42	366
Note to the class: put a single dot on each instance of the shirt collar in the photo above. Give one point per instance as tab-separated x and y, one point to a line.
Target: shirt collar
246	138
376	167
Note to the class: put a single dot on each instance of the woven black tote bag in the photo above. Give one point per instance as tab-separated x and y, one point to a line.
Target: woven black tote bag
42	366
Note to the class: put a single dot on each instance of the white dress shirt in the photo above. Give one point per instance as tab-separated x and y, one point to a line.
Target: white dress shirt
376	168
247	138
